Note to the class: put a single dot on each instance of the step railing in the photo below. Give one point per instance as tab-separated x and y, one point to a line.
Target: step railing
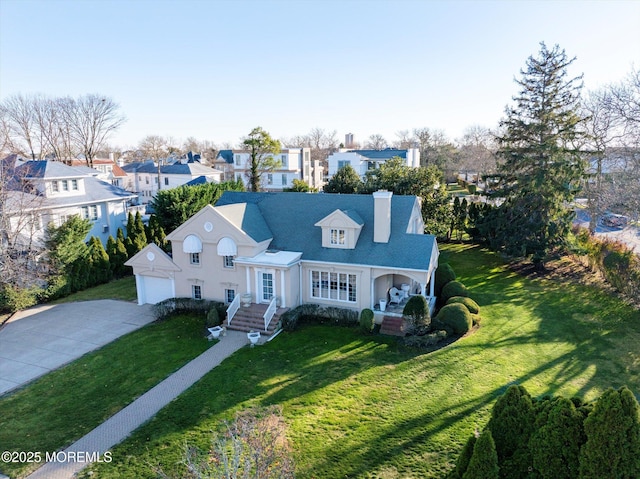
233	308
270	313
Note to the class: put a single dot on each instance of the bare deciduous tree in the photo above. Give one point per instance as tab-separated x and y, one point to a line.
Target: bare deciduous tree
376	142
477	151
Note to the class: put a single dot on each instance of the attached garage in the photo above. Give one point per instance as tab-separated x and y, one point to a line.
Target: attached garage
155	273
152	290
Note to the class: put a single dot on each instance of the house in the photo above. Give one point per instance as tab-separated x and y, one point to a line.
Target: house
295	164
147	178
364	160
288	249
51	192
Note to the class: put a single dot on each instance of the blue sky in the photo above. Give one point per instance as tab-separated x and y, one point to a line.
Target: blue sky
216	69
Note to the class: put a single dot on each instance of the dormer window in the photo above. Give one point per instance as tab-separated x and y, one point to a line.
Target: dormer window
54	187
338	236
65	185
74	185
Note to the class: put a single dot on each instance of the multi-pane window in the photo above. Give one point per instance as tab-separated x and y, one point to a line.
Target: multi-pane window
194	258
65	185
337	236
229	295
334	286
237	159
228	261
269	179
74	185
343	163
54	187
196	291
146	180
166	182
284	161
284	179
90	212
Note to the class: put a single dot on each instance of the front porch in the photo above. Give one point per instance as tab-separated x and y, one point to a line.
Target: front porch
395	309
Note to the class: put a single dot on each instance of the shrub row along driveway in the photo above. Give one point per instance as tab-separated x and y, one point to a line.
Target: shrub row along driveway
40	339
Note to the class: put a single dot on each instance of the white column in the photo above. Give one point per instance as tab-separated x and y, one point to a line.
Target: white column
423	288
248	279
283	299
140	290
432	284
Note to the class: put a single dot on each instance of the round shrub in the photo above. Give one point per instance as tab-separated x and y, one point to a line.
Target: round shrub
453	288
213	318
444	275
455	317
417	310
471	305
366	320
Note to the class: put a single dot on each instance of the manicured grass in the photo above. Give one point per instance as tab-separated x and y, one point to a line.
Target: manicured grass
362	406
66	404
123	289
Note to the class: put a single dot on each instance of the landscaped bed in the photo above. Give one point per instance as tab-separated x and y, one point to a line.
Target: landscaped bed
364	406
64	405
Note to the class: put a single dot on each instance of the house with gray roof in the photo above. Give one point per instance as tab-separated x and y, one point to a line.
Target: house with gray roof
288	249
51	192
147	178
364	160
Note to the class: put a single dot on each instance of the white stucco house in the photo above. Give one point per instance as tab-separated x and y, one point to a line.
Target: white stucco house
287	249
295	164
364	160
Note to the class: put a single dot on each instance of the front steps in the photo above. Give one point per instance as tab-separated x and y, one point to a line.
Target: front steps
392	326
251	319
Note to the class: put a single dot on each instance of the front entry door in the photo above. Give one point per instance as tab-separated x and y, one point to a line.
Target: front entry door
266	286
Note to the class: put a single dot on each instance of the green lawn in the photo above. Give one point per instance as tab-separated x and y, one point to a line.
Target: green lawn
124	289
66	404
364	407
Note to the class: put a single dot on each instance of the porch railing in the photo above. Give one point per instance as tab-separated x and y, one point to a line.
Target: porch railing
269	313
233	308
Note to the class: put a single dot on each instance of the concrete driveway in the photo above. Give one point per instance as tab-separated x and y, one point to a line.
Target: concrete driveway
41	339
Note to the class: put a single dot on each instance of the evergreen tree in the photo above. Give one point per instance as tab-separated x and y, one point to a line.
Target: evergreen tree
98	259
465	456
612	449
484	461
119	258
346	180
541	168
555	445
155	233
511	424
140	237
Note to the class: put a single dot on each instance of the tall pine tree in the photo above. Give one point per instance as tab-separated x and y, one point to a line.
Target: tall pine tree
541	166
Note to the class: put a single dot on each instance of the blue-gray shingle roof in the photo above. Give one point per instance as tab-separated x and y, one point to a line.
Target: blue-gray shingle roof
291	218
226	155
385	154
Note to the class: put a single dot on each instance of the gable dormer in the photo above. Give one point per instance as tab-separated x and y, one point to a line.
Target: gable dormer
340	229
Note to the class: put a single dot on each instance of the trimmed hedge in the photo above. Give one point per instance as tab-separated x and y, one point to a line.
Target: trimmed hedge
316	314
213	318
444	275
366	320
172	306
453	288
454	318
471	305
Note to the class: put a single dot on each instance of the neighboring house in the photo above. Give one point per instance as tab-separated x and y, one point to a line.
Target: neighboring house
51	192
364	160
295	164
349	251
146	178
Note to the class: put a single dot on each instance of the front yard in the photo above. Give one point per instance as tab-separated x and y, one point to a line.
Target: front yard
356	406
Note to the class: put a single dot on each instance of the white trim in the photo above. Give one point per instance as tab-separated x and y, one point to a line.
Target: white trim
283	299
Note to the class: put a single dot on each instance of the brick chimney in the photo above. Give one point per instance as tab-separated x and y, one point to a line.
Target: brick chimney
382	216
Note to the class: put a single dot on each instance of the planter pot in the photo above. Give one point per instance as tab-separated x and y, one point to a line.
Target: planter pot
245	299
254	337
215	331
383	305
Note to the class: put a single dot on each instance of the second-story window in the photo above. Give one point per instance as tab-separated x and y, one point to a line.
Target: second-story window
54	187
195	258
337	236
74	185
166	182
269	179
284	161
228	261
65	185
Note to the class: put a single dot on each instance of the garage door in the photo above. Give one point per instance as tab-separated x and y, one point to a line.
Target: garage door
156	289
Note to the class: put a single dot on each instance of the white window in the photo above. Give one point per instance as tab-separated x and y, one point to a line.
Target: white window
228	261
269	179
65	185
155	178
337	236
90	212
237	159
284	161
146	179
284	180
196	291
194	258
54	187
74	185
229	295
334	286
343	163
